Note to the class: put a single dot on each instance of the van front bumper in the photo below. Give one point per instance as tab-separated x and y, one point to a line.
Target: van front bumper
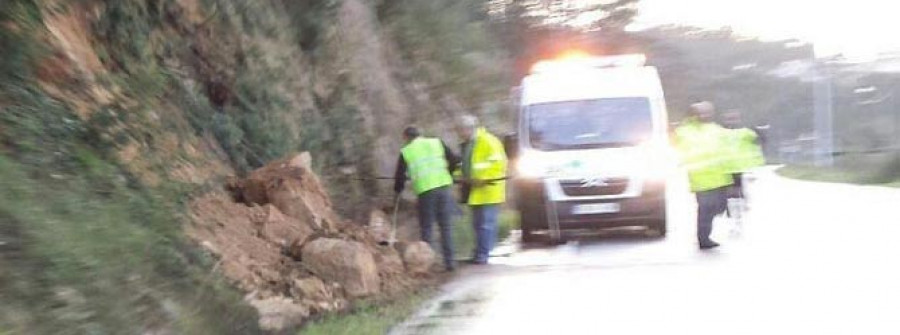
646	205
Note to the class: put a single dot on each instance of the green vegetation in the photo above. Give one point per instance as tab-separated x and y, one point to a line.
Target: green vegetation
820	174
883	169
449	33
86	248
371	318
79	247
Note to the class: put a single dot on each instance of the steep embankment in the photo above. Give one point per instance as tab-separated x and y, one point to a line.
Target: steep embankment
115	114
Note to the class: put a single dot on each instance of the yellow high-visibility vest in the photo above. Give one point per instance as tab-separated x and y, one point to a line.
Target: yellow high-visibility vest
706	154
426	164
489	162
746	153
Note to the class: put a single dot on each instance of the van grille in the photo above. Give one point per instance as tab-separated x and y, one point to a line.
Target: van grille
578	188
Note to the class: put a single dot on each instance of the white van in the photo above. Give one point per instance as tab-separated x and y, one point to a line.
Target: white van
591	151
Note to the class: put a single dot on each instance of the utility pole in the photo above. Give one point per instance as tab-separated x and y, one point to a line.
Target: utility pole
823	92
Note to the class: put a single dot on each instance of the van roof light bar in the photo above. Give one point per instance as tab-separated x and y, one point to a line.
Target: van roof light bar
577	64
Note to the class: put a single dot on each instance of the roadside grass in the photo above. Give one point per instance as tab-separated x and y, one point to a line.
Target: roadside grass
841	175
819	174
368	318
75	244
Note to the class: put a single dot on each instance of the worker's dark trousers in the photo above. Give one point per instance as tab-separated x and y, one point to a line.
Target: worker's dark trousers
709	204
437	205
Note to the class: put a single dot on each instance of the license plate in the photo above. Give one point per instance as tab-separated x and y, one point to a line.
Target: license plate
596	209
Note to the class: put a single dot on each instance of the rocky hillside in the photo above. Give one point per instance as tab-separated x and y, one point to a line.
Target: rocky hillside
116	116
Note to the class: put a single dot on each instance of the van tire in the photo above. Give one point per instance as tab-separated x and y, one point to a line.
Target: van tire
658	227
531	214
528	235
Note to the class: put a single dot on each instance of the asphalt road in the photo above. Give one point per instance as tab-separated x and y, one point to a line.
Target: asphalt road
812	258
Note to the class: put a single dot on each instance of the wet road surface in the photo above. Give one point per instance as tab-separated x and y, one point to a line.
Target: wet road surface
812	258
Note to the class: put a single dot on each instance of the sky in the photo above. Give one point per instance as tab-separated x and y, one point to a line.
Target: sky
857	29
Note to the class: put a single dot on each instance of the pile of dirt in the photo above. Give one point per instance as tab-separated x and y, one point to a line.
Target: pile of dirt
276	236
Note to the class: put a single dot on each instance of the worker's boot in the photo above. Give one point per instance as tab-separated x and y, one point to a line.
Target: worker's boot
736	214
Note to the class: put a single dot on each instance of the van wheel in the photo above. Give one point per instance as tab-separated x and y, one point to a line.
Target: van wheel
531	220
659	228
528	235
530	223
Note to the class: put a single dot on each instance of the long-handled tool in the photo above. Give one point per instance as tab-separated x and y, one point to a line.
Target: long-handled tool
393	237
456	181
374	178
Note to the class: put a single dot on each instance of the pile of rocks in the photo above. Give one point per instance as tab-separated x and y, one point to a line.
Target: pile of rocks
277	237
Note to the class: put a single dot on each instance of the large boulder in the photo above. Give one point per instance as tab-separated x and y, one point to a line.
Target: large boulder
278	313
293	198
349	263
388	260
284	231
417	256
292	187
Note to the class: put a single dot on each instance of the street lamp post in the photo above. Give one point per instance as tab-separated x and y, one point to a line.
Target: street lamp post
823	121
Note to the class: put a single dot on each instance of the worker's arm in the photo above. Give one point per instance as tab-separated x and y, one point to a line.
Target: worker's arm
400	175
453	160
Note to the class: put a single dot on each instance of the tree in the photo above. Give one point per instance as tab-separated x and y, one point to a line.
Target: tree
531	30
579	14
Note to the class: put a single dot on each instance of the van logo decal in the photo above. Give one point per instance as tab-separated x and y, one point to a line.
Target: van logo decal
594	182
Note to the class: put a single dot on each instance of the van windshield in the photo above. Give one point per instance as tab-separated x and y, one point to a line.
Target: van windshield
589	124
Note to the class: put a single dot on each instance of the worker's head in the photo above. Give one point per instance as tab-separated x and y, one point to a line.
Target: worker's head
703	111
411	133
466	126
732	118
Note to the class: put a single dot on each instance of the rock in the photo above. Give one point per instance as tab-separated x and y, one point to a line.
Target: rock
278	313
284	231
292	187
295	251
417	256
211	248
252	192
388	261
304	202
346	262
303	161
379	225
311	288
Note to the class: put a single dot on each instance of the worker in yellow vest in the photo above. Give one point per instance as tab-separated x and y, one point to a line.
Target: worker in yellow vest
704	149
745	154
428	163
483	174
746	151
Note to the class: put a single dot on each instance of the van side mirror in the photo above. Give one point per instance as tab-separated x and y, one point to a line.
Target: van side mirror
511	145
